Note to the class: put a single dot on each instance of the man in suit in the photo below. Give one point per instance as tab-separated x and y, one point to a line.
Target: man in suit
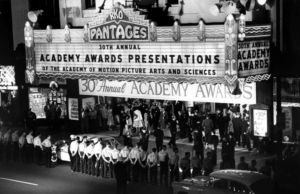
47	110
57	118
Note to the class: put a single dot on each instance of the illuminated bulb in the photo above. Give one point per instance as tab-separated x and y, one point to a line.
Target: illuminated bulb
261	2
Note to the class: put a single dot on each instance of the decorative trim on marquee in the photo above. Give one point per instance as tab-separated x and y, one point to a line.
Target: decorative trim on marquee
258	78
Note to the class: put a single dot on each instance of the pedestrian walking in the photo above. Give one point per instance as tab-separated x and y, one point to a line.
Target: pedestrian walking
173	165
134	161
29	147
81	151
15	146
185	165
22	147
159	138
38	149
98	157
208	126
152	164
163	158
48	152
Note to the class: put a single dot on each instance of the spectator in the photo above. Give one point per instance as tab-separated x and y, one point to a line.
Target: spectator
208	127
242	165
198	144
173	165
266	169
159	138
207	164
214	141
196	166
237	127
231	149
185	165
173	131
84	121
252	167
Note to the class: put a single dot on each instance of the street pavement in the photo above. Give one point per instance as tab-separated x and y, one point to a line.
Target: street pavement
22	178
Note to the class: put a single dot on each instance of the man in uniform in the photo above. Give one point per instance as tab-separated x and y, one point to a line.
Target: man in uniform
185	165
173	165
143	170
74	155
38	148
72	137
152	163
89	152
7	144
134	158
81	149
163	163
29	147
114	158
15	146
98	154
124	154
106	156
47	146
22	147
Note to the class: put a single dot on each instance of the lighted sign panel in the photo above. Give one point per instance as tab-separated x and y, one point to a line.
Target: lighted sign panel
7	76
174	60
218	93
253	58
260	120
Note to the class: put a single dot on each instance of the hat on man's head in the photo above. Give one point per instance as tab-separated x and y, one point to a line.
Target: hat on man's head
72	136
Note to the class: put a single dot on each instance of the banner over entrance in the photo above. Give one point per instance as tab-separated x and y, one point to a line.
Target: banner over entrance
218	93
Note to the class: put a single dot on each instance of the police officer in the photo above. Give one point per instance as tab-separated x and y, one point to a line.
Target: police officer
38	148
114	158
29	147
47	146
143	165
74	155
173	165
163	163
7	144
15	146
134	161
89	153
81	149
106	156
72	137
22	147
152	164
98	157
124	154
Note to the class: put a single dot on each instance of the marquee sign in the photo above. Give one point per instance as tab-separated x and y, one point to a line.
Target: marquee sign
218	93
253	58
174	61
7	76
119	26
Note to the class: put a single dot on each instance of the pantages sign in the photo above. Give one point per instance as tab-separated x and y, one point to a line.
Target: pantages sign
169	91
118	26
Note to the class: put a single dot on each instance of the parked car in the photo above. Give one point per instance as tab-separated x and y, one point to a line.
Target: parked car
62	146
226	182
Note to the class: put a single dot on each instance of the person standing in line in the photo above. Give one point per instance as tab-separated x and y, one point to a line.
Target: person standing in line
98	156
159	138
89	154
207	164
173	165
38	148
81	151
163	163
22	147
124	154
185	165
74	145
15	146
196	166
7	144
173	131
47	146
47	110
152	164
121	176
208	126
242	165
106	156
134	160
29	147
114	159
237	127
143	165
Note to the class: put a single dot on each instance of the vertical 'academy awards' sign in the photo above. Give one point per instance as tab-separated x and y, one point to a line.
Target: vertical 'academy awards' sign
118	26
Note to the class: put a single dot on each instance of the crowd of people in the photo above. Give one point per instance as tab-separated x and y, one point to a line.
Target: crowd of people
25	148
